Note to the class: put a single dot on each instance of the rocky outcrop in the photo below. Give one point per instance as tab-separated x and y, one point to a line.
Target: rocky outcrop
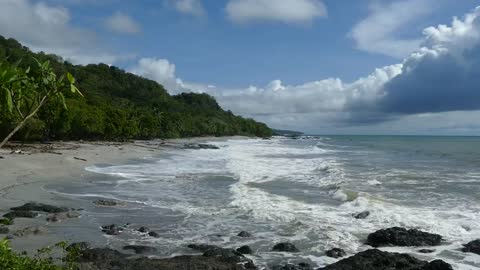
144	230
245	250
362	215
285	247
335	253
59	217
107	259
40	207
199	146
300	266
4	229
244	234
153	234
375	259
397	236
20	214
473	247
106	203
140	249
112	229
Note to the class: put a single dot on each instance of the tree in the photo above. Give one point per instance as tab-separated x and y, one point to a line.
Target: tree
24	92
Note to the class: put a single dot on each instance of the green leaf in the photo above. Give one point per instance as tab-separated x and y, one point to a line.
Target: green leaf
62	98
74	89
9	100
70	78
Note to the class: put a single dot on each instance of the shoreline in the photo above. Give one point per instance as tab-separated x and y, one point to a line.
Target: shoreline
25	173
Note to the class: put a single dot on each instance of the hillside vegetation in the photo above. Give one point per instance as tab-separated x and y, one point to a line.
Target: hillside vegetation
118	105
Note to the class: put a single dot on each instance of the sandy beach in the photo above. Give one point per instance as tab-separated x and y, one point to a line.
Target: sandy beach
27	168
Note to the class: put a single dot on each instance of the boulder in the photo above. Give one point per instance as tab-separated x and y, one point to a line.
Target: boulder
58	217
40	207
144	230
397	236
335	253
4	229
244	234
245	250
112	229
106	203
226	254
107	259
140	249
154	234
285	247
426	250
300	266
374	259
199	146
473	247
362	215
20	214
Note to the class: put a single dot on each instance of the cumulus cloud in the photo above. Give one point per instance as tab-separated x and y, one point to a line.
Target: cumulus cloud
378	32
161	71
189	7
44	27
122	23
437	81
287	11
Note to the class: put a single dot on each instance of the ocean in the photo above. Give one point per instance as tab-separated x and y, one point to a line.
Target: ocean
302	190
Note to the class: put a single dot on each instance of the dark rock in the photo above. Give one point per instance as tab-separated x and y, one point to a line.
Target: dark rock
140	249
20	214
226	254
202	247
4	230
426	250
397	236
437	265
285	247
107	259
108	203
199	146
144	230
244	234
473	246
40	207
154	234
78	246
245	250
362	215
112	229
58	217
375	259
300	266
335	253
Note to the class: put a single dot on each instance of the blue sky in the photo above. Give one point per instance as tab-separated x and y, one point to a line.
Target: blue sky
330	66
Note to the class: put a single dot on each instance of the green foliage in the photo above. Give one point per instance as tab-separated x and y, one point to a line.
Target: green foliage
43	260
120	106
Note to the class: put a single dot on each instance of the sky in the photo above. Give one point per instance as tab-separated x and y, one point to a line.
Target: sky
317	66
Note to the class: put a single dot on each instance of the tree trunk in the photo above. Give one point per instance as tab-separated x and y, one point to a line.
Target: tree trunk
21	124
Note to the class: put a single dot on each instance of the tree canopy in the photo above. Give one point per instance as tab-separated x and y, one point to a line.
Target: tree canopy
118	105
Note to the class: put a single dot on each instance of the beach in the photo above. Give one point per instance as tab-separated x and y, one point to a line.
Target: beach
318	197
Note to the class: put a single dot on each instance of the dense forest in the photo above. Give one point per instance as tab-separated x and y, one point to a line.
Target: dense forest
118	105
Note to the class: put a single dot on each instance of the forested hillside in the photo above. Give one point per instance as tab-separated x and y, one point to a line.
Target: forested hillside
118	105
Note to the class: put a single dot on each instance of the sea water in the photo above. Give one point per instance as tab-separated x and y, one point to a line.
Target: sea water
302	190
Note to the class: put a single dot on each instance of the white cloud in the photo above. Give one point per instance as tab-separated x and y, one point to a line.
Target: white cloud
432	85
378	33
189	7
122	23
44	27
288	11
161	71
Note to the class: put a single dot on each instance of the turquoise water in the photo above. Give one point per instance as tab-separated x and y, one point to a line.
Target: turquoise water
302	190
